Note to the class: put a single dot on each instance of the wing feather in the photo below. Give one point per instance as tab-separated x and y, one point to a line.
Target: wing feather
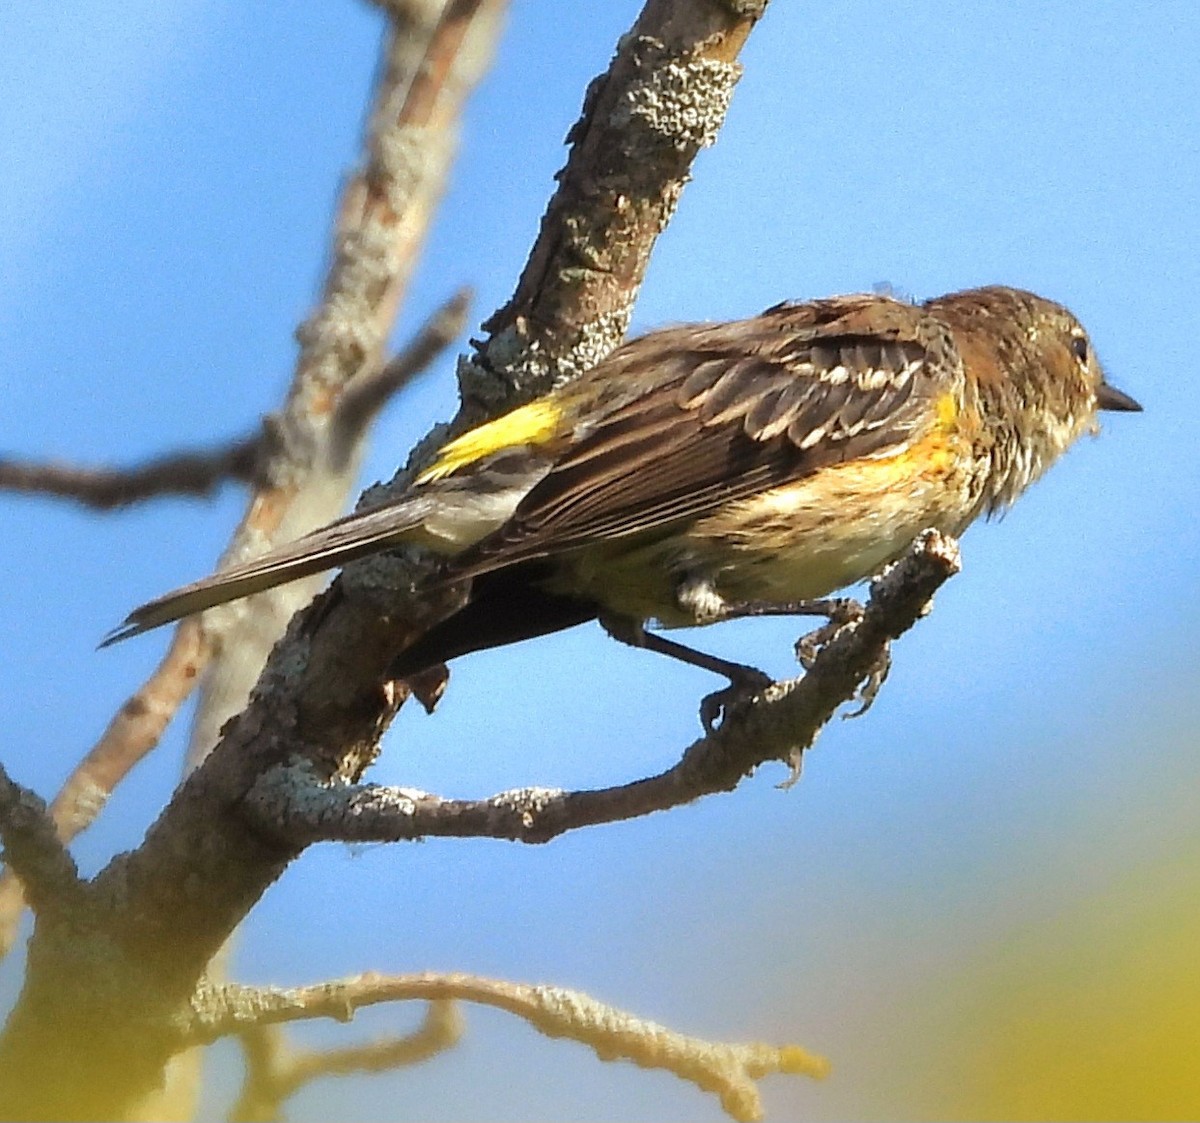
745	413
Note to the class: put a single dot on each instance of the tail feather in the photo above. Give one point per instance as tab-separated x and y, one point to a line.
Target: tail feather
340	542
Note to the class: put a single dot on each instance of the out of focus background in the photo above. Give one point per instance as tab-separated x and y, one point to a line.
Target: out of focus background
983	898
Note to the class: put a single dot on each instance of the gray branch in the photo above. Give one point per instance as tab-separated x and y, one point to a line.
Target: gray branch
730	1070
33	851
294	804
194	472
276	1070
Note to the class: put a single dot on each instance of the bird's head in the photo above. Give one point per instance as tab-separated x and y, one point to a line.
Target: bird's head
1034	365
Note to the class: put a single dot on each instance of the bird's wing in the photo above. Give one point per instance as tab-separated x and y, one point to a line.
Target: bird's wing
749	406
685	419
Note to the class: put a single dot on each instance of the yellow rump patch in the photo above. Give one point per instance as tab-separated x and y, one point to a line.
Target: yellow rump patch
531	424
947	410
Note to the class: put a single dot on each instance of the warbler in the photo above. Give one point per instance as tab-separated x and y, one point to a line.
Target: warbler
712	470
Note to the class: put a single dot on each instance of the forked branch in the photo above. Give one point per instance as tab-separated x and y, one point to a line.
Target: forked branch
731	1071
276	1069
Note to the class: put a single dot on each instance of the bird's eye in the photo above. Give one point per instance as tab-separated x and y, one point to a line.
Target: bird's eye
1079	345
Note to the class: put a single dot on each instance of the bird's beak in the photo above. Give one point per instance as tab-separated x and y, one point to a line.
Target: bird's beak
1109	397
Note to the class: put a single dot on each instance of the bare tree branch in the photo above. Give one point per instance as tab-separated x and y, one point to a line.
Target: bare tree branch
133	732
729	1070
663	98
369	391
780	724
199	472
277	1070
380	230
163	910
178	473
32	849
435	51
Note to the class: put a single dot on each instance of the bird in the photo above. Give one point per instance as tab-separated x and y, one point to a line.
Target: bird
707	471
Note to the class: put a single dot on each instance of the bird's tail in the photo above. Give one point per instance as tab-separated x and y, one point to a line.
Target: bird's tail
505	606
340	542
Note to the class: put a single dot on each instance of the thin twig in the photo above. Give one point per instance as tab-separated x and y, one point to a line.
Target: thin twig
729	1070
195	472
199	472
277	1070
780	724
367	393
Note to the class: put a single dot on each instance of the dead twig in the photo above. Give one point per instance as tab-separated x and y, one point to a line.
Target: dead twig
369	391
194	472
276	1070
731	1071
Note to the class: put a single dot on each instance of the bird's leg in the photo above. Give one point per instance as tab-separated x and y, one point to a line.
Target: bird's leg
840	611
699	596
744	681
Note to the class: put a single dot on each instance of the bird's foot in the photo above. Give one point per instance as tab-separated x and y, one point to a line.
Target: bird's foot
870	685
844	612
839	612
745	684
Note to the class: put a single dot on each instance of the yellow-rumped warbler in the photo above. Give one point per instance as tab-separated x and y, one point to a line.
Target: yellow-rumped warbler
705	471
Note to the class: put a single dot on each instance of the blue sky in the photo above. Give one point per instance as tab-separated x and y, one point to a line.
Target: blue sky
167	179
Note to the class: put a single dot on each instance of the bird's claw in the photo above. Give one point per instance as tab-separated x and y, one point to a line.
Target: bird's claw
843	613
840	612
868	689
716	707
